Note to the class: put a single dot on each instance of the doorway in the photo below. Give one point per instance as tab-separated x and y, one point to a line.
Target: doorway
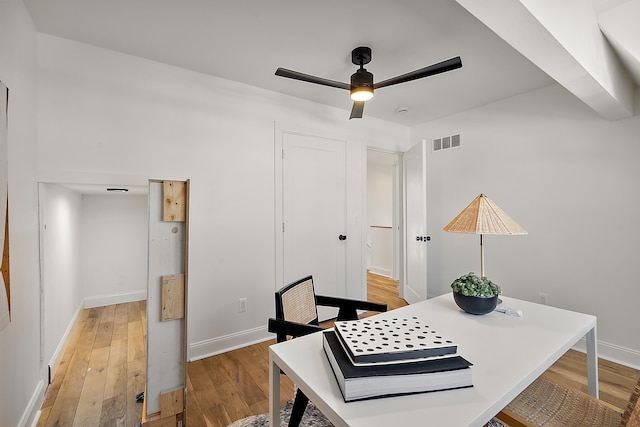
383	207
93	251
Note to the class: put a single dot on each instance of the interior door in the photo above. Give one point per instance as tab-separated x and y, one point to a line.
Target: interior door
314	212
415	237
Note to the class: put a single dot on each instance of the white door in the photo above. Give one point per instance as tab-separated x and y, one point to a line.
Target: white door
314	212
415	236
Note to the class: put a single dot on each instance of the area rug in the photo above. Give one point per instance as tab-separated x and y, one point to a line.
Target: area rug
312	418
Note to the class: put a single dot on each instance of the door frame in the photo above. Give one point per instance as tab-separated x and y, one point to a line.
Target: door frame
396	221
399	216
51	362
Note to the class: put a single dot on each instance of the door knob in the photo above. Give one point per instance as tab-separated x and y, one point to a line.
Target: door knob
342	237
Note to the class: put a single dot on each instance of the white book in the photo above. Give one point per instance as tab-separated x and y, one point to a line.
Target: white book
393	340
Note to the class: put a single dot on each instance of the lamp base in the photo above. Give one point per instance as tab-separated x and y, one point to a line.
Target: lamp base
476	305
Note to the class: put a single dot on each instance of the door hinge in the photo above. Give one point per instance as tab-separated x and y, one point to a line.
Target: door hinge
283	227
283	154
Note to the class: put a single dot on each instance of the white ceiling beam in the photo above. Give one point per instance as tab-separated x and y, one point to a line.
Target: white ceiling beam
564	40
620	25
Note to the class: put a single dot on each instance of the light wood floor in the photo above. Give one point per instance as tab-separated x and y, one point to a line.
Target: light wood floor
103	369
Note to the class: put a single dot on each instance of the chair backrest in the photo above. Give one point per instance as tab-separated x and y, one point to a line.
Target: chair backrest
296	302
631	415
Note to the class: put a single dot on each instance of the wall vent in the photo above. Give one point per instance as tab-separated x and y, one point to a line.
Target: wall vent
446	142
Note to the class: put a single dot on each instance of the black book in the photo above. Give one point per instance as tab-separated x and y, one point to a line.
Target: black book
381	380
391	340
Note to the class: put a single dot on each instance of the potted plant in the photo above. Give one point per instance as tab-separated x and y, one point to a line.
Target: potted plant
475	295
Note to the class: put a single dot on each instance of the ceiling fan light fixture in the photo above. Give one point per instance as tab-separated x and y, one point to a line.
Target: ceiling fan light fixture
361	94
361	85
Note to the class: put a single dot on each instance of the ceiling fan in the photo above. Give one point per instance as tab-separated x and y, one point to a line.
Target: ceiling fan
362	85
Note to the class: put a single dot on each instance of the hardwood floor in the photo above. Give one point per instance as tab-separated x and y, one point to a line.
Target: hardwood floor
234	385
383	289
103	369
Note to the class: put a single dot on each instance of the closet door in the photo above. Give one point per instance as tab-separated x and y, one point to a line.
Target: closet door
314	212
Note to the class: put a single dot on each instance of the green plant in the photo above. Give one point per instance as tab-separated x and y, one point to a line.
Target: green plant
472	285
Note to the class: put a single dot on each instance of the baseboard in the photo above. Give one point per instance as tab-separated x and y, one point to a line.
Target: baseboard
56	357
102	300
614	353
207	348
387	272
32	412
36	418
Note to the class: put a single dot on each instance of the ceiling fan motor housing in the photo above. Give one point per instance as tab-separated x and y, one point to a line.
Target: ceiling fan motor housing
362	78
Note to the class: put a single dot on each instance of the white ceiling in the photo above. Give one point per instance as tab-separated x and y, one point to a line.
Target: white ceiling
246	40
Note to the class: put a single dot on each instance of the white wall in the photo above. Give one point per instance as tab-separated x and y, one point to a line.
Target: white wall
21	372
61	258
114	249
571	180
106	117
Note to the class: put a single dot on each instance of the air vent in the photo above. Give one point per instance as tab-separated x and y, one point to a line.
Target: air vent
447	142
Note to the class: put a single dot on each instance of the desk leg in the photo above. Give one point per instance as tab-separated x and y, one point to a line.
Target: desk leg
274	393
592	363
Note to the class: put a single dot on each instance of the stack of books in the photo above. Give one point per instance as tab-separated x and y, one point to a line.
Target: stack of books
387	357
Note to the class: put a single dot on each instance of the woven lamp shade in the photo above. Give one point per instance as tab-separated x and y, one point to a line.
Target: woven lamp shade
482	216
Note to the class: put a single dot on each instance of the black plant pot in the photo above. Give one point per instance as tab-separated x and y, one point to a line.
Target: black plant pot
476	305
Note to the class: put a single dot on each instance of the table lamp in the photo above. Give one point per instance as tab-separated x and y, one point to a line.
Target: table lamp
482	216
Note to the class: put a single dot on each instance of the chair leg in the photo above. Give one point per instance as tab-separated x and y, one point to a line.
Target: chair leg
299	405
347	313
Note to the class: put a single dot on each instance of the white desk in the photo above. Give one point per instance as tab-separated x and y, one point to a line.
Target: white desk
507	352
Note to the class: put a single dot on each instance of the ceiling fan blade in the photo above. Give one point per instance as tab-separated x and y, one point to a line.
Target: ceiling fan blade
357	110
440	67
283	72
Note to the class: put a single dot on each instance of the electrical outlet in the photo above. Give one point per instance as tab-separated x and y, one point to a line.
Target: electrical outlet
242	305
543	298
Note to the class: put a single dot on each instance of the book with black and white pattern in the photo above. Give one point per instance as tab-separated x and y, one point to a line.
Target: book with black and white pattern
392	340
358	382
